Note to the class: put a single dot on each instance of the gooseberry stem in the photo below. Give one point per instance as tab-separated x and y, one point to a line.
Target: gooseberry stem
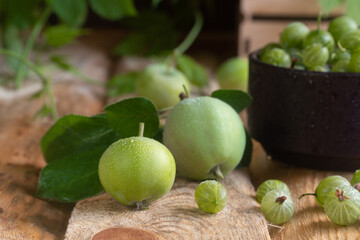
141	129
307	194
319	20
217	172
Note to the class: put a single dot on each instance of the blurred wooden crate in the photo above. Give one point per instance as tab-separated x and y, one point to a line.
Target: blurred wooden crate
263	20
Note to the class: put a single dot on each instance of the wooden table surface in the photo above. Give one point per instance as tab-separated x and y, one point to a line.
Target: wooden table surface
175	216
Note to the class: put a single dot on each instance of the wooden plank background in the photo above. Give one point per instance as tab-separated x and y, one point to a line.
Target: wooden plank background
283	8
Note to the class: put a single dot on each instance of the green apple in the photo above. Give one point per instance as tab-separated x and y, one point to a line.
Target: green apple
162	84
137	170
206	137
233	74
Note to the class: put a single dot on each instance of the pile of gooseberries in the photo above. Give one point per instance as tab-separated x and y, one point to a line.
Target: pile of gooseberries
339	198
276	203
336	49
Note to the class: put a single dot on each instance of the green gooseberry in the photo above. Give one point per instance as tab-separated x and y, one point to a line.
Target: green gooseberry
293	35
340	26
320	36
277	57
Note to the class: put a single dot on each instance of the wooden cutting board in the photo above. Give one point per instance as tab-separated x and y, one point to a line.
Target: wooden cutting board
174	216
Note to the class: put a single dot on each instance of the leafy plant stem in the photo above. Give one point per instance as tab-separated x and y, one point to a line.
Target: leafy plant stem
45	81
319	20
190	38
29	45
170	62
83	77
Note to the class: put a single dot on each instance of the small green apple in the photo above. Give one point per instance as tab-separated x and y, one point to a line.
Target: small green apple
206	137
234	74
162	84
137	170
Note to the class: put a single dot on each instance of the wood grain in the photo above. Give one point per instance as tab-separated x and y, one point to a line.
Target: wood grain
22	215
176	215
309	220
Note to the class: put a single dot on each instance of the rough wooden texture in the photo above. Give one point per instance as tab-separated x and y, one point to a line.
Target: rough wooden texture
176	215
309	220
22	215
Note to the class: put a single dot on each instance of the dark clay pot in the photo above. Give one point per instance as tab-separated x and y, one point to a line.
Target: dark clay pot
304	118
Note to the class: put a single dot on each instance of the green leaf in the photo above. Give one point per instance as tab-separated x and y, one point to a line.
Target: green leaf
20	12
74	134
72	147
328	5
155	3
125	116
159	135
72	12
122	83
192	70
142	41
238	99
113	9
72	178
11	41
353	9
246	159
60	35
61	62
44	111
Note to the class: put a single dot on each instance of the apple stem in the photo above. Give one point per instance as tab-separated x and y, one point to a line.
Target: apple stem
141	129
217	173
186	91
140	206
